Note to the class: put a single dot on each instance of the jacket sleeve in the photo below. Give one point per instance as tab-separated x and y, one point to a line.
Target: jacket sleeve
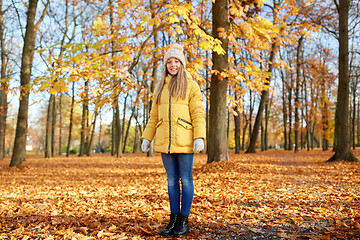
197	111
150	128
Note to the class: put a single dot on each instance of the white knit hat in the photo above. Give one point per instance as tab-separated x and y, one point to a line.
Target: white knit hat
176	51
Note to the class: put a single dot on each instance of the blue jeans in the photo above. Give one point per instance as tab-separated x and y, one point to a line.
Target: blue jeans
179	166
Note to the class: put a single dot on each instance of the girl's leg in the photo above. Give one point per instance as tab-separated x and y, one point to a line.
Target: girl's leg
172	171
185	162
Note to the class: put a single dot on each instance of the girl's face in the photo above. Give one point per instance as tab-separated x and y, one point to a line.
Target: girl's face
173	66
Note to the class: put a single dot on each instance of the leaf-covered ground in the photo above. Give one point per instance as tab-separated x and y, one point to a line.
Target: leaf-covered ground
270	195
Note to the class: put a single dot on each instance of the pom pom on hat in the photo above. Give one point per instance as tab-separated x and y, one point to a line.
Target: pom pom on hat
176	51
178	47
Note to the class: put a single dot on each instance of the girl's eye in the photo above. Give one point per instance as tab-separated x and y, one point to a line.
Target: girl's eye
173	61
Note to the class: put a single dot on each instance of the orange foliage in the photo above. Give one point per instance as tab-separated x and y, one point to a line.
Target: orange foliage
280	193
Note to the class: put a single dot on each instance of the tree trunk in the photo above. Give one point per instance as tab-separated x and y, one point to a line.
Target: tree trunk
264	99
115	121
48	142
19	152
60	124
113	131
83	137
150	153
303	117
325	112
353	119
289	147
325	118
358	123
297	91
251	110
343	150
53	123
127	129
4	86
207	107
88	150
154	73
237	129
312	121
137	148
82	134
99	147
228	119
266	140
118	133
306	106
301	134
312	134
335	135
244	133
123	125
285	115
218	142
236	118
262	135
71	119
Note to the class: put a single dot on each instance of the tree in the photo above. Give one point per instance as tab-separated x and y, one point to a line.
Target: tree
218	142
4	84
49	126
263	100
265	91
19	152
84	120
71	120
297	91
343	147
154	73
66	37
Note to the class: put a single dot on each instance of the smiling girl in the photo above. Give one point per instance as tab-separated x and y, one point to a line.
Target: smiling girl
177	119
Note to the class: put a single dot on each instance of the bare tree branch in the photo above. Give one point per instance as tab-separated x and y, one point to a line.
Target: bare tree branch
43	14
18	16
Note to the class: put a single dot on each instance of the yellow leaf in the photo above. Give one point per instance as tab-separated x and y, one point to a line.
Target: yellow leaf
255	230
172	19
98	23
205	44
152	22
145	18
53	91
218	49
112	228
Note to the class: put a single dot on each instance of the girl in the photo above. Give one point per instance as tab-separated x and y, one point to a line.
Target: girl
177	118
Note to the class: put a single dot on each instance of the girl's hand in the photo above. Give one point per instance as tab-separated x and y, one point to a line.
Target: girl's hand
145	146
198	145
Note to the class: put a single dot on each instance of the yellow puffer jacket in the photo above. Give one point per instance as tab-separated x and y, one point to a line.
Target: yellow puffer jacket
177	122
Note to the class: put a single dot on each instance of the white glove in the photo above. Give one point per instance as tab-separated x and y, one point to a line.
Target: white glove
198	145
145	146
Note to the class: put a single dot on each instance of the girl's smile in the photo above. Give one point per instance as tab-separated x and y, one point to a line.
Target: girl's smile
173	65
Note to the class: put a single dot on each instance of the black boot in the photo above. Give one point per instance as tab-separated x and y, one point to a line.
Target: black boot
169	229
182	226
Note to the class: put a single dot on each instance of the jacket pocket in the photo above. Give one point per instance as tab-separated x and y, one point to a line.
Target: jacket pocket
184	133
161	134
159	123
185	124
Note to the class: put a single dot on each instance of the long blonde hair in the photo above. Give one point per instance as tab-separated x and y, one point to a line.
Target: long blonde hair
177	86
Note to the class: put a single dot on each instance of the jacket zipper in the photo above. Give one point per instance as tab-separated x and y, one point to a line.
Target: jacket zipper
169	122
157	125
180	119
